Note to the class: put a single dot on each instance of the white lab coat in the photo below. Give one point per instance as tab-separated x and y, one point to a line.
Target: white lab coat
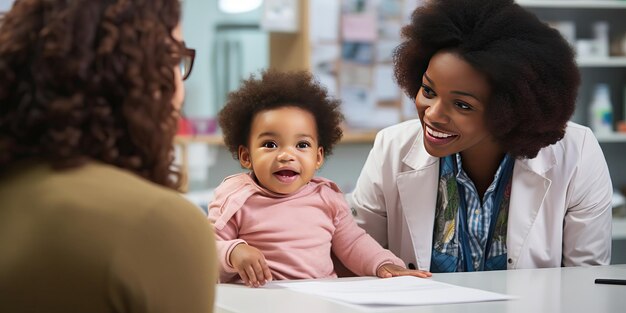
559	212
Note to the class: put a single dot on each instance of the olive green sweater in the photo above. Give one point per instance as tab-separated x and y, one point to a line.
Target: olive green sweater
100	239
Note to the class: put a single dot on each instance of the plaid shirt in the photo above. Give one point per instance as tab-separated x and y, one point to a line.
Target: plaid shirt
479	215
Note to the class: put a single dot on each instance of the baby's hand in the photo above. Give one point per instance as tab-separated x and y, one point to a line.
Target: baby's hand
391	270
250	264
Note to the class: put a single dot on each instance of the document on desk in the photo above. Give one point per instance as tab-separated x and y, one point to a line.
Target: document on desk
402	290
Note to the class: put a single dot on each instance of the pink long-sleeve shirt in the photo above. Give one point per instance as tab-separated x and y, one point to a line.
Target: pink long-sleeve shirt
295	232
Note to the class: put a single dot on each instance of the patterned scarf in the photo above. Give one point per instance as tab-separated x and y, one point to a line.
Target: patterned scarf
446	251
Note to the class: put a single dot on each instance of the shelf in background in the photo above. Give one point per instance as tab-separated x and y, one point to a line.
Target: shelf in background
614	137
208	139
575	4
602	62
351	137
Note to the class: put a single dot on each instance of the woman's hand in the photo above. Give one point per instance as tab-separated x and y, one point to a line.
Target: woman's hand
391	270
250	264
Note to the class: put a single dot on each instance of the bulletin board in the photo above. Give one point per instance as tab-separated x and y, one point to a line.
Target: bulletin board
352	43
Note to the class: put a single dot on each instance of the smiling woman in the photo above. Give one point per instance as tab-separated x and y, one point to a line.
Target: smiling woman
492	175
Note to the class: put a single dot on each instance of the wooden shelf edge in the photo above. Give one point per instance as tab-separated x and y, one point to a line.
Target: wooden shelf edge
358	137
351	137
208	139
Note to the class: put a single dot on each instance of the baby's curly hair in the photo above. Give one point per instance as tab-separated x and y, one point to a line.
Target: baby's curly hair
531	68
88	79
277	89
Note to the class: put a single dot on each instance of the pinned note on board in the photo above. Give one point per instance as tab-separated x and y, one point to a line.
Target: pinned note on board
361	27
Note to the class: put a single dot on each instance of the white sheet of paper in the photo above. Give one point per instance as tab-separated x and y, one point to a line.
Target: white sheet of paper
402	290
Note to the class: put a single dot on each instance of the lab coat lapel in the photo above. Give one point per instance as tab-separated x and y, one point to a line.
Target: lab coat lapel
417	189
529	190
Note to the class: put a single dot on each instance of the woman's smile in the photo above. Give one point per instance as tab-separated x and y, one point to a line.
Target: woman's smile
437	137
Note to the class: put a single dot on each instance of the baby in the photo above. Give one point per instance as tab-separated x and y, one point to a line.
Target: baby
279	221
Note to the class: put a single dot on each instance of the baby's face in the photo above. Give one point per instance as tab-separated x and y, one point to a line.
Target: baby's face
283	150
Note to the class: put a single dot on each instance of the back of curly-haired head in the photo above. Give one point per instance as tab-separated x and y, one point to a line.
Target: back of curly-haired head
275	89
89	79
531	68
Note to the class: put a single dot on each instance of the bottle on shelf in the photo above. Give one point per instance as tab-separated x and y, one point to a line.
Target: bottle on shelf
601	111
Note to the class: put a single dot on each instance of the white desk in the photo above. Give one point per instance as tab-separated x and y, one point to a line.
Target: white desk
568	290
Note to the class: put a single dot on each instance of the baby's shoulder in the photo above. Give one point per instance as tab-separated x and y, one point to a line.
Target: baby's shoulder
325	183
329	192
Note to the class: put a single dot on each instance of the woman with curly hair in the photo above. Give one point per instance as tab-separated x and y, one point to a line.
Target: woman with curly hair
90	220
279	221
492	175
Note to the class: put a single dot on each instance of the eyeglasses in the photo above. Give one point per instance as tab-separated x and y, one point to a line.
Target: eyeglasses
186	62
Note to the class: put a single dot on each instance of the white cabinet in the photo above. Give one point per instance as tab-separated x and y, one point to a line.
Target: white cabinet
611	69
